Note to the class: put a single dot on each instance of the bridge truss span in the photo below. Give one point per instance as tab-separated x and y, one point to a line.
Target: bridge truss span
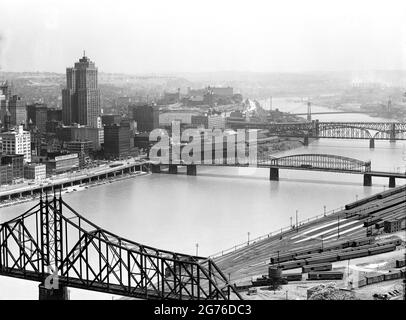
325	162
52	237
331	130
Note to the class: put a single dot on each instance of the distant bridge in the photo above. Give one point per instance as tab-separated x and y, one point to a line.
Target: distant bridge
333	112
319	162
85	256
372	131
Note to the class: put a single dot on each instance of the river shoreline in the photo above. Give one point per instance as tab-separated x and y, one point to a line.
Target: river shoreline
84	186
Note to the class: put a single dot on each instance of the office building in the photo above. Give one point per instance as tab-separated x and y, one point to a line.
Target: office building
6	174
35	171
54	114
82	148
109	119
81	133
117	140
16	161
18	111
17	142
81	97
216	122
200	122
146	116
61	163
37	116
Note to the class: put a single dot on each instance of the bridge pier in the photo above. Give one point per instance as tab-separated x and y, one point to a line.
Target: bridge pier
53	294
371	143
392	182
173	169
274	174
393	133
367	180
306	141
156	168
191	170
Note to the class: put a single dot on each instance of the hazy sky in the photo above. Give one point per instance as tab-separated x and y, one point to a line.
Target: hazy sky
203	35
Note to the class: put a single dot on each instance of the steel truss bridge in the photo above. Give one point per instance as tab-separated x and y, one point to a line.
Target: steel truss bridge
310	162
86	256
332	112
332	130
323	162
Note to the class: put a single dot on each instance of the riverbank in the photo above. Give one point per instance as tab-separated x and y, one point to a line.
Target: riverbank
81	187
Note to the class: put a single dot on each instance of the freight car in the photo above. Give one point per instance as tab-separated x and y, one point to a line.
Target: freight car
353	254
292	276
323	259
363	241
317	267
361	283
382	249
396	242
282	258
392	274
379	224
374	278
400	263
292	264
325	275
391	192
358	203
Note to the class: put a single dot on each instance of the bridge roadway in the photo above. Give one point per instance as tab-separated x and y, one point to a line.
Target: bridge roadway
65	180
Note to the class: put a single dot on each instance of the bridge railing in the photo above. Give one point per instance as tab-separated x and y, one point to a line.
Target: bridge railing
273	233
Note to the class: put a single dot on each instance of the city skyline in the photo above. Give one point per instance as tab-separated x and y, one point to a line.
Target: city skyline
159	37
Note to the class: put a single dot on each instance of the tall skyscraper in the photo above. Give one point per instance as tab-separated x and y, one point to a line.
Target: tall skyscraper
18	111
81	98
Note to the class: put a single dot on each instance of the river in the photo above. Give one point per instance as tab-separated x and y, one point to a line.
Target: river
218	207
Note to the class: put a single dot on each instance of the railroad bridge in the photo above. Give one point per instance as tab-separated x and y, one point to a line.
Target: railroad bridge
309	162
315	162
52	240
372	131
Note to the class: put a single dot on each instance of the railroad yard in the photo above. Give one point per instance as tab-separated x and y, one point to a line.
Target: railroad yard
360	251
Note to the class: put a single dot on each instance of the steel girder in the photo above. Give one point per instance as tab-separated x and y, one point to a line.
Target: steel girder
85	256
320	161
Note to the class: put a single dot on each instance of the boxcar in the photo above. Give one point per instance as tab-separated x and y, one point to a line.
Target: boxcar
400	263
317	267
392	274
322	259
374	278
292	276
382	249
292	264
325	275
353	254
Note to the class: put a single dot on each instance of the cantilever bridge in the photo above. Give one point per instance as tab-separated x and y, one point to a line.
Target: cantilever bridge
86	256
